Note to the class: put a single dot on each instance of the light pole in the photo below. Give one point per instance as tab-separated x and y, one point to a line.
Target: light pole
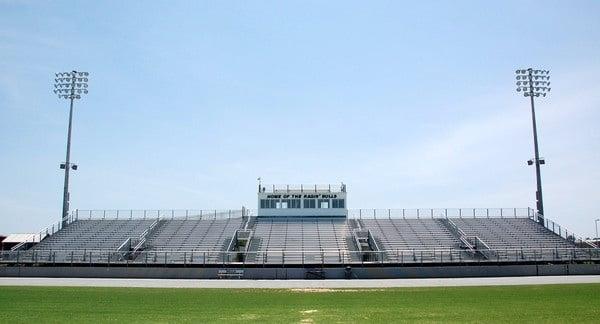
596	221
535	83
69	85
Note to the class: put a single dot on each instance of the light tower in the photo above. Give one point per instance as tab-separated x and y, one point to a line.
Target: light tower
69	85
535	83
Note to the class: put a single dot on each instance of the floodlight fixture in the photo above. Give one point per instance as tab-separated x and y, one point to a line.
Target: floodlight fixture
69	85
538	88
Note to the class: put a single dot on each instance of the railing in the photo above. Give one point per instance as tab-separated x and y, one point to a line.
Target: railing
155	213
308	188
125	246
563	232
141	239
457	231
441	213
38	237
352	213
233	241
483	248
283	257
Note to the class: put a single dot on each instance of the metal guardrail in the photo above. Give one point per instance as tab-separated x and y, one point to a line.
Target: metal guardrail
283	257
483	248
563	232
441	213
352	213
155	213
42	234
303	188
142	238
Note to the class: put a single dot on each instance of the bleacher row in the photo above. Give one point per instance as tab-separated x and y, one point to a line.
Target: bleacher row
288	240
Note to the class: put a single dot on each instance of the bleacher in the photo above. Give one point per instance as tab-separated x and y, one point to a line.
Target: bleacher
416	239
301	240
96	234
518	238
410	234
312	239
510	233
193	234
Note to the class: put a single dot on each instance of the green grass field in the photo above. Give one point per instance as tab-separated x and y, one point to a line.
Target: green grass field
551	303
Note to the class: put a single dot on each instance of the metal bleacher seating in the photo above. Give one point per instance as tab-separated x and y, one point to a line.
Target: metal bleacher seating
312	239
95	234
301	240
193	240
511	233
193	234
518	238
412	238
91	240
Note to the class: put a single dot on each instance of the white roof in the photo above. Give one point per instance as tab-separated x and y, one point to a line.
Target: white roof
21	237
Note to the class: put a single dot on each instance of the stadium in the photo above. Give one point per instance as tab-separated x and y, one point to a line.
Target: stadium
349	115
303	232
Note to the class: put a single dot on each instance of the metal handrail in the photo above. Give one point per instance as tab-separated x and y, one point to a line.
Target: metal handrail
440	213
42	234
320	250
296	257
142	238
156	213
561	231
352	213
308	188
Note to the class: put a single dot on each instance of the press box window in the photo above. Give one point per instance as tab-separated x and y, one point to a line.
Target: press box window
293	203
323	203
309	203
337	203
268	203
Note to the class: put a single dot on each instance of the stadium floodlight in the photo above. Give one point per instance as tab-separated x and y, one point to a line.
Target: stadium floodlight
69	85
538	88
596	221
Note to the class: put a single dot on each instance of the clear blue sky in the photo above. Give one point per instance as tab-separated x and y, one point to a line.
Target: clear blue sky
411	104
